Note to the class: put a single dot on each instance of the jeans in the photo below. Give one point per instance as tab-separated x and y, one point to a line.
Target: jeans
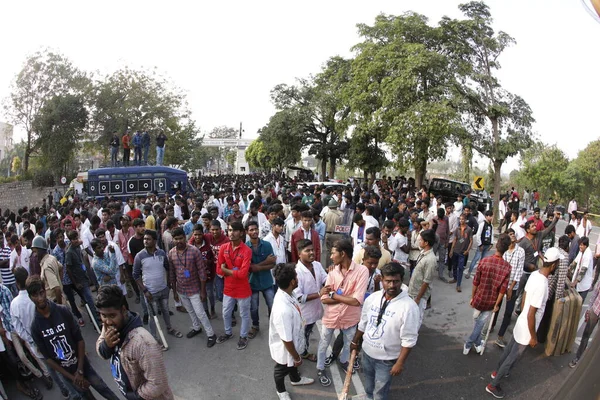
511	354
308	328
86	294
137	155
219	287
228	304
510	306
62	383
479	254
281	371
126	157
210	295
377	376
193	306
95	381
160	301
480	318
146	150
114	156
68	289
442	252
458	266
583	295
160	155
268	295
587	332
326	334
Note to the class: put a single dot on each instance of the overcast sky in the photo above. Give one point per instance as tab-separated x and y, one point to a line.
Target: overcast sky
227	56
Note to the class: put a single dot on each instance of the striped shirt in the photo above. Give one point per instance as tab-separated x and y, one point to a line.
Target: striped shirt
516	259
187	269
7	276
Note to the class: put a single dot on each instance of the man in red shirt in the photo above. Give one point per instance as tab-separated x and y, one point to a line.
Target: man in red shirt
125	140
233	264
489	285
133	211
306	231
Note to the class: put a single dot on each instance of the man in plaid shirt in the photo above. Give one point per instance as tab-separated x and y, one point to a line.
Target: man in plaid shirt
489	285
187	273
515	256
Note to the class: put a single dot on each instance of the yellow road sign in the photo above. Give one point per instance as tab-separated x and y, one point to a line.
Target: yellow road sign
478	183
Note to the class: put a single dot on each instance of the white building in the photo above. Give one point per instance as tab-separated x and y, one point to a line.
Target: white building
6	139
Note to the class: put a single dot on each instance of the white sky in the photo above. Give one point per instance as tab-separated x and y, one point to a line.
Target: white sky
227	56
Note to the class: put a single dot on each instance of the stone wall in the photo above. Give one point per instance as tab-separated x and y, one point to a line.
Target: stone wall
16	195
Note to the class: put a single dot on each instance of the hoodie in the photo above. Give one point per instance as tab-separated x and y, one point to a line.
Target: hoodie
136	362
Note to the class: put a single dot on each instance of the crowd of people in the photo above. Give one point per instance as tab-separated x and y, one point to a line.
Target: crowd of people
362	260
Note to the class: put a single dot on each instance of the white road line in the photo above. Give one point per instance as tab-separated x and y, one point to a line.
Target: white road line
336	377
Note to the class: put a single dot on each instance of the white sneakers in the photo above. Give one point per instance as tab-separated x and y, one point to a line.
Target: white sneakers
284	396
303	381
466	350
478	349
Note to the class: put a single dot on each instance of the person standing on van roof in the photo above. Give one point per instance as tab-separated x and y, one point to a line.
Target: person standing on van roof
114	150
137	148
126	140
160	147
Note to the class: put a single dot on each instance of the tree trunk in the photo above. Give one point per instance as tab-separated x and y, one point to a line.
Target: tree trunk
466	158
496	197
26	159
372	179
365	175
323	169
420	165
331	168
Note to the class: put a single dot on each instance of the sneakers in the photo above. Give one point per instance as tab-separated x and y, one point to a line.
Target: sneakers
330	358
323	378
466	349
284	396
480	348
345	367
193	333
356	365
48	382
467	276
493	375
223	338
211	341
303	381
500	343
242	343
573	362
495	391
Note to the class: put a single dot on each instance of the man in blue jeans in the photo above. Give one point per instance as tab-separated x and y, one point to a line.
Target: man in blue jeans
489	286
387	332
485	238
261	279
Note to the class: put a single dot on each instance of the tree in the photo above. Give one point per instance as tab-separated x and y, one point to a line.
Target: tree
59	124
581	176
399	90
44	75
497	122
256	155
223	132
15	165
318	102
543	167
282	139
144	100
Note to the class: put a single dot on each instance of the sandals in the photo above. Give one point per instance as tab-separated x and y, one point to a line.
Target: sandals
174	332
30	391
309	357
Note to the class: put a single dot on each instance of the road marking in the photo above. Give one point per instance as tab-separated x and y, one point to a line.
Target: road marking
248	377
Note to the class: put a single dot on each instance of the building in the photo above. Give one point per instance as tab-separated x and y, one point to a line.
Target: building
6	139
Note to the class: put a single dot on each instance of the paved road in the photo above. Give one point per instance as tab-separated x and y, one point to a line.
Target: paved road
436	368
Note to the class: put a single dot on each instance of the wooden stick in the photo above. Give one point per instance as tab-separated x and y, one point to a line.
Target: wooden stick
346	388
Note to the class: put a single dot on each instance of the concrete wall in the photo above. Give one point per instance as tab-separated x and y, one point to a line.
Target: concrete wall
16	195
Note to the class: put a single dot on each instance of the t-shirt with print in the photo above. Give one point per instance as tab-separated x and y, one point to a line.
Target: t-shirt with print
536	296
57	336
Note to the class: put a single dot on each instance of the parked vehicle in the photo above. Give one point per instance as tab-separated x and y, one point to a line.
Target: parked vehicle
450	189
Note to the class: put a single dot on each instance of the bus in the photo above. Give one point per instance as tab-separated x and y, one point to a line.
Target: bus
125	182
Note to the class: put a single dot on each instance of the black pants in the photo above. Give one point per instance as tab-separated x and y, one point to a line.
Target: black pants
126	157
70	293
281	371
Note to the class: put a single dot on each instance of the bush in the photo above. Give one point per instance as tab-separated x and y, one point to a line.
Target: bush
43	179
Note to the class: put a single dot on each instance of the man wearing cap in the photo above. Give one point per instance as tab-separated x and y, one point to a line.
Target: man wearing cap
51	270
332	218
524	333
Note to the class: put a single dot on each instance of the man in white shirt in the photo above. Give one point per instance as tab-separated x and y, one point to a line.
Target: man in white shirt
387	332
516	227
311	279
400	253
426	214
277	241
572	206
286	333
524	334
19	256
369	218
583	274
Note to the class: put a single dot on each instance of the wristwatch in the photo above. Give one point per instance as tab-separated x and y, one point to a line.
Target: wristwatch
331	294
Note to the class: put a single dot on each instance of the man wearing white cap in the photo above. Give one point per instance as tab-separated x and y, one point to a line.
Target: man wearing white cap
524	334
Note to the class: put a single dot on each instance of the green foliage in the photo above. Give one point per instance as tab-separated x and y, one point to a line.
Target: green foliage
256	155
223	132
184	146
59	125
282	139
543	167
15	165
43	178
44	75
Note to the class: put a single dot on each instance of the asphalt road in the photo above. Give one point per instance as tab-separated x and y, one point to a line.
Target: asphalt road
436	368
